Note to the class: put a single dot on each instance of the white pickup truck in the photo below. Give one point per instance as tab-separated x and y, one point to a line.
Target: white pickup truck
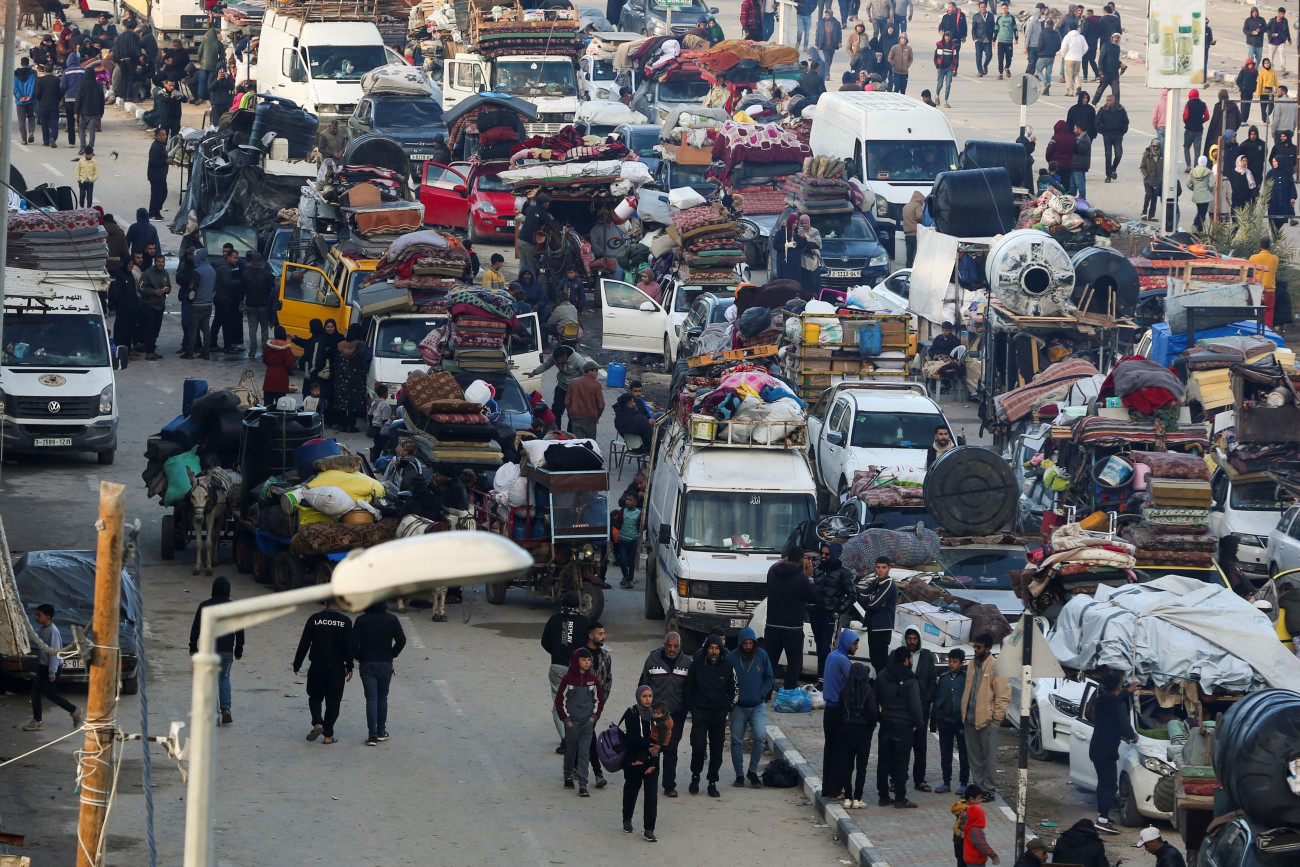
855	425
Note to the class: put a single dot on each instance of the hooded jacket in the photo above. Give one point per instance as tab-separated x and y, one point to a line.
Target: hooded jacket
24	85
73	77
1254	29
858	700
1112	724
280	363
925	667
377	635
913	212
141	233
1083	113
1152	164
204	286
580	695
754	673
258	282
899	696
327	634
946	706
836	589
1285	151
1060	148
1195	113
1082	152
667	677
156	170
900	58
789	592
90	98
229	643
1247	79
838	664
711	685
1253	149
1112	120
639	735
210	51
1201	184
566	631
1081	844
48	92
945	56
1225	116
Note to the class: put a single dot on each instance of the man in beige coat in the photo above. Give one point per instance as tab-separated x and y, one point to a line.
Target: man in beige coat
984	707
913	214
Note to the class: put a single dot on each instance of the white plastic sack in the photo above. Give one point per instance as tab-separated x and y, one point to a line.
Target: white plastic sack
819	308
330	500
815	696
682	198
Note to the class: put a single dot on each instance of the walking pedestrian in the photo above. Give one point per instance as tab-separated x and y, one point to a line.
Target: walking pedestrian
665	671
156	173
1081	844
900	63
945	61
1112	126
1049	45
47	671
836	593
647	727
899	695
754	680
1247	78
327	637
25	100
87	173
1110	68
789	593
828	40
89	109
903	10
565	632
1034	32
945	719
984	706
835	778
1166	855
710	693
377	639
569	365
1082	162
1265	90
124	298
1224	117
629	523
585	402
1073	47
1201	183
1090	27
1195	116
769	19
1008	34
127	56
982	31
881	13
976	849
879	599
154	286
1278	32
49	97
1253	28
230	647
70	83
602	665
579	702
958	810
925	666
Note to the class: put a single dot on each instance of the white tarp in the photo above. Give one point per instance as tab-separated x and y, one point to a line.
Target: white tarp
1174	627
936	256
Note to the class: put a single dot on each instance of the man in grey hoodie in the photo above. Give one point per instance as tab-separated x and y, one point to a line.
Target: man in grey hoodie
203	288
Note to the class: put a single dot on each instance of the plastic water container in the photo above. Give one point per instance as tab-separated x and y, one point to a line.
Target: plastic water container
617	375
269	440
811	332
625	210
192	390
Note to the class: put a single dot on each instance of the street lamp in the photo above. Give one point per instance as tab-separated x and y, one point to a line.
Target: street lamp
398	568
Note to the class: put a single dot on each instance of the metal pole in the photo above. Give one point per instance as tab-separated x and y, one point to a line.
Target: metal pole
1024	115
96	765
7	110
1218	175
1169	182
1026	694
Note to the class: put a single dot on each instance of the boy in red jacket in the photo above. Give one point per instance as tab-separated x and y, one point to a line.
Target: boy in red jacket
579	701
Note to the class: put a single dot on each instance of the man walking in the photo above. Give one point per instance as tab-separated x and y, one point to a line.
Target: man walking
828	40
945	717
1073	47
836	593
154	286
25	100
1111	68
579	701
945	61
586	402
754	680
327	635
1049	44
1195	115
48	664
899	695
230	647
925	667
711	692
1253	28
1033	32
665	673
984	706
1111	726
1112	126
835	770
203	289
377	639
900	63
789	593
982	31
602	665
156	173
568	365
1008	34
49	96
74	75
954	22
564	633
89	110
1279	36
879	599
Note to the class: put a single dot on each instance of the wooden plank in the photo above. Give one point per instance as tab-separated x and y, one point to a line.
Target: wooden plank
733	355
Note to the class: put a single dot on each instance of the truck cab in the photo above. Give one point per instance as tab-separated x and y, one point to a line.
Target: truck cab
547	81
598	80
57	385
186	20
459	197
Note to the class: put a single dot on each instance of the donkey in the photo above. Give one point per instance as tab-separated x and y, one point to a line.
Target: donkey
210	497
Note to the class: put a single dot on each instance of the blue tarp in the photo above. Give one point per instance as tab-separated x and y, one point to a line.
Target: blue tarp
1165	346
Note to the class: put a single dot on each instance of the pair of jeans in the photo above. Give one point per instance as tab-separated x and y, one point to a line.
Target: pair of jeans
375	678
203	82
198	334
157	196
1090	62
27	124
223	681
787	640
828	55
1150	201
948	733
85	193
983	54
769	25
1031	60
1255	53
898	82
635	779
823	628
86	131
325	682
1265	108
49	126
834	773
1004	57
920	740
900	24
982	748
149	324
708	729
554	674
627	558
1192	146
755	719
804	30
943	86
1107	782
1043	69
259	319
1079	184
577	749
42	686
891	761
1113	152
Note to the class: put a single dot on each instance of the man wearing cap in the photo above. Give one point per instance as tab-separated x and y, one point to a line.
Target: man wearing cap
1166	855
586	402
1035	853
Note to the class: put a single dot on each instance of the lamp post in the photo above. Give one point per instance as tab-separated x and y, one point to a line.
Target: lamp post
398	568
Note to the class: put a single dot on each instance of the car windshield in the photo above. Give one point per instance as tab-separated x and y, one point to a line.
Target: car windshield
535	78
743	520
844	227
407	114
680	13
683	90
642	142
400	338
688	295
691	176
54	340
340	62
1257	497
354	282
909	161
900	519
895	430
492	184
979	569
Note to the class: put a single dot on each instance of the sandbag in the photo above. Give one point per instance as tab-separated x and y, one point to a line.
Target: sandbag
1253	745
211	403
972	204
1030	273
178	468
331	500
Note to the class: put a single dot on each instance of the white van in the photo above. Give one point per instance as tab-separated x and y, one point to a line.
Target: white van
898	145
56	367
718	513
317	63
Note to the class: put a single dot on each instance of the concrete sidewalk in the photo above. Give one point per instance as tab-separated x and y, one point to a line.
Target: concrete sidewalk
883	835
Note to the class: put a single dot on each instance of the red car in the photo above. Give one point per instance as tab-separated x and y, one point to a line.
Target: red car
458	197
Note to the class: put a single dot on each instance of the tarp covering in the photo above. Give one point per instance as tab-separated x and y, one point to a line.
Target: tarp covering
1174	627
66	580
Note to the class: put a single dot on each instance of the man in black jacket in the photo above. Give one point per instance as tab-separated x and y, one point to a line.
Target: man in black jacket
126	54
1111	725
789	593
1109	63
377	639
983	31
954	22
665	672
899	695
90	110
711	692
227	320
1112	126
536	218
564	633
328	636
1082	845
926	668
157	174
49	99
229	647
258	304
836	593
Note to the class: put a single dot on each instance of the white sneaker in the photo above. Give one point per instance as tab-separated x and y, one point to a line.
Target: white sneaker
34	726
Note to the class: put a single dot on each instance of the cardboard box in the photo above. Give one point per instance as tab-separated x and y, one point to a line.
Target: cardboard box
846	365
693	156
817	352
817	380
893	333
944	628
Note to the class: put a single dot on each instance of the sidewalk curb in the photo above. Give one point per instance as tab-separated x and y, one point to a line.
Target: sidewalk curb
130	108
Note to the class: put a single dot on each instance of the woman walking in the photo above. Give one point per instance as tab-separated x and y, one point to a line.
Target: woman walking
349	363
648	728
1281	196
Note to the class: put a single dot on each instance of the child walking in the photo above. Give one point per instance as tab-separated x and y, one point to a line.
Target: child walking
380	414
87	174
579	702
627	540
648	729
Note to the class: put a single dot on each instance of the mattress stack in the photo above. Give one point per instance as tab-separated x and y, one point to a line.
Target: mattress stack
427	263
758	153
435	408
1175	525
515	30
811	195
1074	561
708	238
57	241
480	322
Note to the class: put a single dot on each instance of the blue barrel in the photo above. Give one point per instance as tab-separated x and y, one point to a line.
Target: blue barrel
617	375
192	390
310	452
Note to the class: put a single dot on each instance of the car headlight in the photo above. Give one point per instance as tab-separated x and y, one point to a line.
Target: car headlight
587	552
879	261
1252	540
1064	705
1155	766
882	206
699	590
106	400
485	207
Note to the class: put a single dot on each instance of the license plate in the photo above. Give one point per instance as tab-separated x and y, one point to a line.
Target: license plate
74	665
425	157
844	273
739	622
42	442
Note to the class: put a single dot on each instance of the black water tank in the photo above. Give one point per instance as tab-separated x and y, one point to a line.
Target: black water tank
284	118
975	203
268	440
1253	746
1009	155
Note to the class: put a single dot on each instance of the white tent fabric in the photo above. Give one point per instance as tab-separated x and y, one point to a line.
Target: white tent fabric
1174	627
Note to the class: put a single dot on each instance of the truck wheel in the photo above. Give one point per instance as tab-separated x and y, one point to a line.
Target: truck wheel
131	685
168	540
1129	816
496	593
323	572
286	571
591	599
654	607
106	458
244	551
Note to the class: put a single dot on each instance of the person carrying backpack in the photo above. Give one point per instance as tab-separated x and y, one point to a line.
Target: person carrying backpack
647	728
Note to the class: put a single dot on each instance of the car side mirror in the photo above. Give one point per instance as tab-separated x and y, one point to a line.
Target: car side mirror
647	307
713	10
121	357
665	534
460	189
835	438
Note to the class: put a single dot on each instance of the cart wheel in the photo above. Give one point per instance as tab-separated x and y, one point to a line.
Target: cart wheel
496	593
323	572
286	571
261	566
168	541
591	599
244	549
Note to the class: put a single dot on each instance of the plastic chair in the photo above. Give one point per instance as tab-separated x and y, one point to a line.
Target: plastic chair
623	449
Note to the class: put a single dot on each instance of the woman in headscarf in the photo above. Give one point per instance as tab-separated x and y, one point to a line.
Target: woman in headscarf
349	363
1281	196
810	260
1201	184
1244	185
648	730
1285	151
